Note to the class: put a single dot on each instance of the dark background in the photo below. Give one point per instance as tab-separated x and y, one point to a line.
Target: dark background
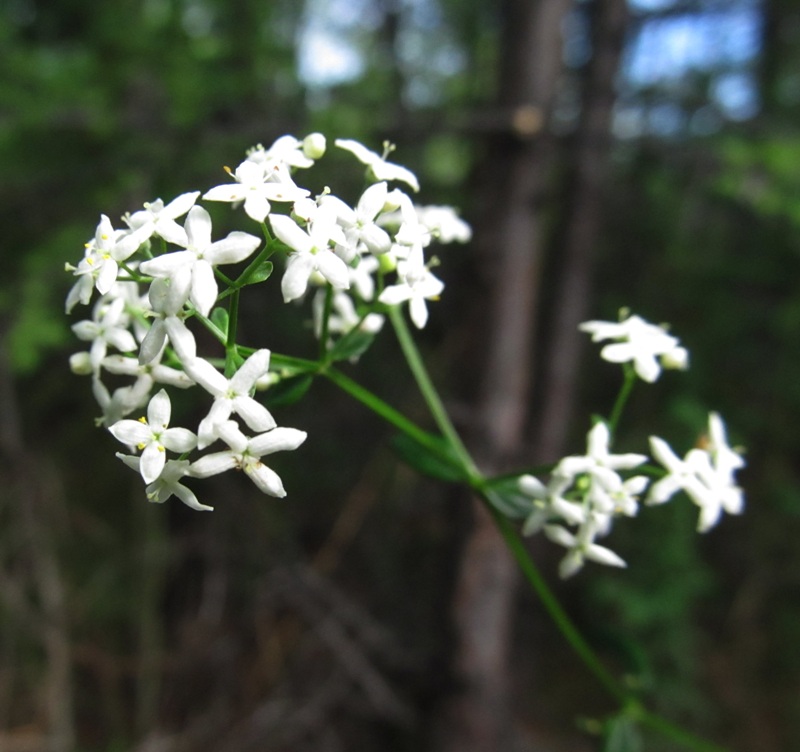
607	155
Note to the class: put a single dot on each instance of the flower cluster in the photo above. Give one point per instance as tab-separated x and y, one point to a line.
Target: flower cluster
156	277
648	346
586	493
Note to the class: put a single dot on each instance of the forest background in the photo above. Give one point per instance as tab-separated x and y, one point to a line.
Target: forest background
607	154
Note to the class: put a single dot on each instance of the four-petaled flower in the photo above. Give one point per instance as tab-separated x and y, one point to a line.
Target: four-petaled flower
231	395
200	257
152	436
706	475
246	453
650	347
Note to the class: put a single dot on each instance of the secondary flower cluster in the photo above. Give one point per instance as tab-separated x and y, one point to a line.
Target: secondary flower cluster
152	277
586	493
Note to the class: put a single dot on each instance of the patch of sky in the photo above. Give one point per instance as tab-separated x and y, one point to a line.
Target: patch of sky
670	47
327	50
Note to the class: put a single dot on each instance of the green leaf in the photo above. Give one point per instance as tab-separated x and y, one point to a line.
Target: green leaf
505	495
288	390
436	460
622	735
352	345
219	317
259	274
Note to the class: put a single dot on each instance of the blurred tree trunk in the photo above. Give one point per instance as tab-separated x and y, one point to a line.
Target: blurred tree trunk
510	240
583	222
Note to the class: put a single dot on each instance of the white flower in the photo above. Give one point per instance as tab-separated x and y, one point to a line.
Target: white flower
231	395
167	298
109	326
254	187
377	164
445	225
123	401
200	258
361	232
157	219
586	492
287	151
650	347
152	436
100	264
312	252
417	285
581	547
245	454
706	476
598	460
155	372
168	483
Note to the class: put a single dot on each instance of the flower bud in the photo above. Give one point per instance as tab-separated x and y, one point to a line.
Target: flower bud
80	364
314	145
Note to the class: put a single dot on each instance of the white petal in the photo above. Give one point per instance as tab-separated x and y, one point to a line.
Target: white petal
418	310
180	205
276	440
295	278
131	432
257	417
266	480
159	410
152	461
198	228
257	206
181	338
233	249
333	269
179	440
204	287
187	497
395	294
213	464
203	373
288	232
227	192
153	342
168	264
603	555
251	370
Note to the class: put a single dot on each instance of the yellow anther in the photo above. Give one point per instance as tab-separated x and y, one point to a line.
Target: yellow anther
161	448
143	420
90	261
228	170
141	446
104	237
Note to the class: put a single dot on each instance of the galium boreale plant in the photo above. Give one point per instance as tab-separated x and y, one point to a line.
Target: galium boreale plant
151	282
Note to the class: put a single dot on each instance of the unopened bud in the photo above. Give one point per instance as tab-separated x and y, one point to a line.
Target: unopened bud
314	145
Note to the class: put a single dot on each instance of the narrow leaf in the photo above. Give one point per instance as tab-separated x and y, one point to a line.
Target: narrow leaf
441	464
288	390
352	345
219	317
260	273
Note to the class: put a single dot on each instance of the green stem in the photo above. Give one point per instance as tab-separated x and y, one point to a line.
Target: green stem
622	398
232	360
520	553
430	395
326	314
233	321
553	607
387	412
